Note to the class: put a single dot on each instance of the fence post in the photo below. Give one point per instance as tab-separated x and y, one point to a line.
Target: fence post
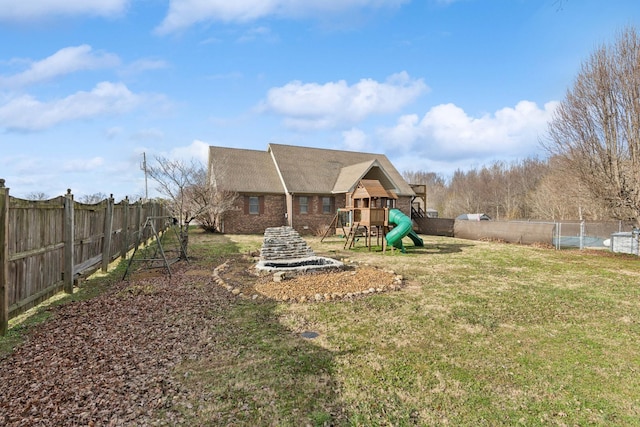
4	258
125	229
68	242
106	241
138	223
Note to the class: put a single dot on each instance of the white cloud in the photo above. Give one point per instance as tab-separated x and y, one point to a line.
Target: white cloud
334	104
65	61
25	113
196	150
142	65
34	10
184	13
148	134
113	132
447	132
22	164
81	165
354	139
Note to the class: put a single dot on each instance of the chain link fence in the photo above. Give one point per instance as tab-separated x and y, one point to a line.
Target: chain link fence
593	234
618	236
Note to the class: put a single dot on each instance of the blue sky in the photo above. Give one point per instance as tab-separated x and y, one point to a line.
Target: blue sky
87	86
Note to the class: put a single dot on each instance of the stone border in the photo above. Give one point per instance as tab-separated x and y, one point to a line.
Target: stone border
398	281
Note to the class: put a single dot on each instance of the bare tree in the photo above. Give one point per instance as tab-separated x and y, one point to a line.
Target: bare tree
212	202
465	194
92	199
221	202
37	195
436	187
596	128
500	189
222	199
560	195
184	184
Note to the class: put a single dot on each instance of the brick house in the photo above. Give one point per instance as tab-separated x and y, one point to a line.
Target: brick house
297	186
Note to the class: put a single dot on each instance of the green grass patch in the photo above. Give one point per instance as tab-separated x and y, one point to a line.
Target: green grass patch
489	334
481	334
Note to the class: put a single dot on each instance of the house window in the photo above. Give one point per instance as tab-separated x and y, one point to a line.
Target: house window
326	205
254	205
303	201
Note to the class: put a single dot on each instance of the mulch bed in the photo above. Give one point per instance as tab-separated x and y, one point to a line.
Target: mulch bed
110	360
240	278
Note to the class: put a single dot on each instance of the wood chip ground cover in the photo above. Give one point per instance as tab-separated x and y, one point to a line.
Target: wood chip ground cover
110	360
241	277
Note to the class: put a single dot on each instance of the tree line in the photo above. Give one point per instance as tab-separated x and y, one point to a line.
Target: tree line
530	189
593	142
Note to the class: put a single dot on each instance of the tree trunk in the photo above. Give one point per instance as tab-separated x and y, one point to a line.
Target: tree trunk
184	243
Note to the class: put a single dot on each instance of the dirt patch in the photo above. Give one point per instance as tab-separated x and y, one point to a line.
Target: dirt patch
240	278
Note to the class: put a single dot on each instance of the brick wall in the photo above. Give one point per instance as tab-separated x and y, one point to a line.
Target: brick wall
240	221
273	208
314	221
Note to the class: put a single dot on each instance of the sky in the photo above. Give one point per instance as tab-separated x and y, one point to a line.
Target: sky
87	87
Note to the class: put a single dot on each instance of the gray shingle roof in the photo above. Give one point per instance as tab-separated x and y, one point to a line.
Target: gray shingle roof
304	170
317	170
244	171
350	175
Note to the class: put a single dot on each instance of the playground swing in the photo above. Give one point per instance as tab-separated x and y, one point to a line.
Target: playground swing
154	254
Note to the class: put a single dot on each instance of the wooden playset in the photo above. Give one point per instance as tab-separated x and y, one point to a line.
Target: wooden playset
371	212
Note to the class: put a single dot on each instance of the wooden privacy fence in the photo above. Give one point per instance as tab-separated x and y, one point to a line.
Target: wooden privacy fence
46	245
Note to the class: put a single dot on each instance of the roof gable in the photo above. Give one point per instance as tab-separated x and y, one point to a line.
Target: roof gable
302	170
323	171
350	175
372	188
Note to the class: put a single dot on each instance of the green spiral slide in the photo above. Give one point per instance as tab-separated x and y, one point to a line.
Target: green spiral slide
402	227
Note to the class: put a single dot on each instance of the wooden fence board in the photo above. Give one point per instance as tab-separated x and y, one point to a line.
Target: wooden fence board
46	245
4	258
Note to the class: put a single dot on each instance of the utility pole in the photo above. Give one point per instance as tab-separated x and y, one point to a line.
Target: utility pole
143	166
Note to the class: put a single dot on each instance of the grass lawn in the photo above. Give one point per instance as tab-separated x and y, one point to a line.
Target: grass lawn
482	333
